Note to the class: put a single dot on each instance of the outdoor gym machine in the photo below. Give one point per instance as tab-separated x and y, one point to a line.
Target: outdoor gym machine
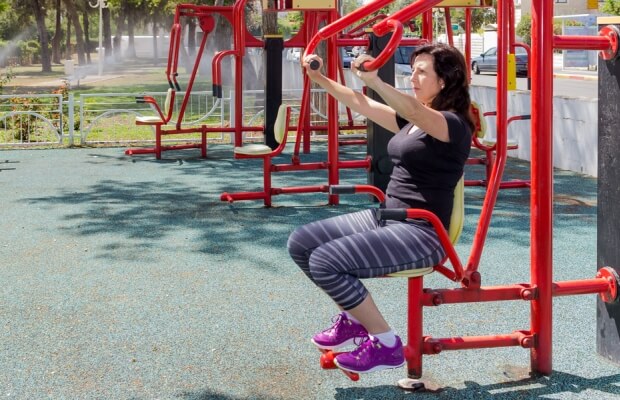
541	289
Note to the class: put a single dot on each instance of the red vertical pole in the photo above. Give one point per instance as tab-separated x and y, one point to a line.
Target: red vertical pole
499	163
415	330
448	20
239	46
332	115
541	197
427	25
511	27
468	41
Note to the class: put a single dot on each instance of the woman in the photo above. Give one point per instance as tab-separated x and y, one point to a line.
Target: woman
431	144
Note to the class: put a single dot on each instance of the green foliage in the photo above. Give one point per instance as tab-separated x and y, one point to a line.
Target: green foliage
28	52
6	77
611	7
572	22
524	28
479	18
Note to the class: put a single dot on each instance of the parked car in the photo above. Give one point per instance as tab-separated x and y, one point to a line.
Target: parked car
293	54
346	55
487	61
402	60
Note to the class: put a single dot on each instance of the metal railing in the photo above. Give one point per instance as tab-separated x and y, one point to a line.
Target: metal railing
109	118
28	119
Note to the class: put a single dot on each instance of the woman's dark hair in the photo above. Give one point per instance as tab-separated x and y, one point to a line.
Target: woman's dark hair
450	67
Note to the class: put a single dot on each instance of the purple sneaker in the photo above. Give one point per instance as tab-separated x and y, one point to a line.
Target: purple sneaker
372	356
342	333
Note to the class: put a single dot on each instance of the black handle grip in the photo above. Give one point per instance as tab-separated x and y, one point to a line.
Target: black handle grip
140	99
314	65
362	67
342	189
398	214
177	86
217	91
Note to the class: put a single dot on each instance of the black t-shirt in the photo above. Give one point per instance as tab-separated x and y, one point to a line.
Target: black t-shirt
426	170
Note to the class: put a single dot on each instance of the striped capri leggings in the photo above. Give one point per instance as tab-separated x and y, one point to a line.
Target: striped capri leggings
337	252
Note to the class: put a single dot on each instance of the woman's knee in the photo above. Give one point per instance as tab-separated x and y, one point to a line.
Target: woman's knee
322	266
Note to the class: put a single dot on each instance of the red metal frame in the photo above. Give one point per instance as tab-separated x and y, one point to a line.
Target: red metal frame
540	291
489	157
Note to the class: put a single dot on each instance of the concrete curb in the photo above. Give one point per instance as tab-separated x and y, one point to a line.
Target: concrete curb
561	75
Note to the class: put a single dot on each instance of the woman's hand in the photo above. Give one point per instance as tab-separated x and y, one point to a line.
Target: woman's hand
312	73
368	77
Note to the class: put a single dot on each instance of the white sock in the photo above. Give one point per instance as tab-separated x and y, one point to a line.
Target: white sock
387	338
351	317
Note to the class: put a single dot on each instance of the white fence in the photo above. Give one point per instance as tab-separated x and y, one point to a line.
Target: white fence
31	119
27	120
109	118
94	118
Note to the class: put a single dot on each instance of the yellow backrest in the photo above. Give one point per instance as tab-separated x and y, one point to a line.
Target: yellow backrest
167	101
281	124
481	125
454	232
458	212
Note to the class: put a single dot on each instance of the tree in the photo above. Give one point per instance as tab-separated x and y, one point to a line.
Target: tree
611	7
57	39
107	32
524	28
38	7
79	33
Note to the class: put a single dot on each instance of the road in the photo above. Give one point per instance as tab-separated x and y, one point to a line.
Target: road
566	87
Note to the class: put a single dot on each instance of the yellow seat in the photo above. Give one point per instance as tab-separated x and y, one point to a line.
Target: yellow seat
481	128
161	120
281	128
457	219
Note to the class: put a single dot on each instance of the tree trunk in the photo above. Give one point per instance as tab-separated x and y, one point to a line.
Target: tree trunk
131	43
191	37
120	28
107	32
68	53
155	46
57	39
87	46
39	13
270	21
79	33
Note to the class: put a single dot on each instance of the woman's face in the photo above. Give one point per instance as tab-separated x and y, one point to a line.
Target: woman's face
425	82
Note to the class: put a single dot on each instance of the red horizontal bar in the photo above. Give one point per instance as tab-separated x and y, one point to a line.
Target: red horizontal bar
230	197
299	167
212	129
354	164
437	345
434	297
574	42
585	286
300	189
352	42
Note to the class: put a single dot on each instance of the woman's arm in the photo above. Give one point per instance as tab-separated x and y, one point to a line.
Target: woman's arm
408	107
358	102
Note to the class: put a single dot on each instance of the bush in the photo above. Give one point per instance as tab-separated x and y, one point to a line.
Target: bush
27	51
524	29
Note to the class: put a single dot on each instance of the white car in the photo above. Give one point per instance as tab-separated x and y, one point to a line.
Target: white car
293	54
402	58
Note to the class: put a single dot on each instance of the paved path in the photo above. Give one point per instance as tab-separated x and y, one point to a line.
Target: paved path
127	278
